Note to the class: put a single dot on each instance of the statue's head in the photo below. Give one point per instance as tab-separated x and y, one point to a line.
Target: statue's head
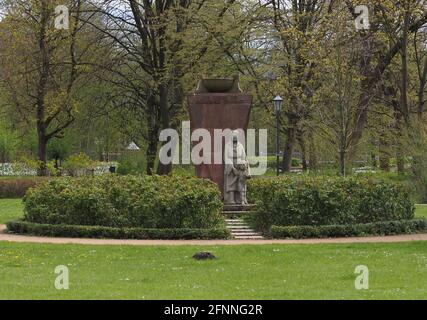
235	136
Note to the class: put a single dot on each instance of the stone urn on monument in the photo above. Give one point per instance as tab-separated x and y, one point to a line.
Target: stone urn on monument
220	104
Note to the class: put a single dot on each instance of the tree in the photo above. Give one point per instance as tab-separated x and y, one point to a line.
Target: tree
336	98
385	18
152	38
420	53
298	26
40	66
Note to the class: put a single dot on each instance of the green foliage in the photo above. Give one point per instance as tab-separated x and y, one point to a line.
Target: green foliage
8	144
184	170
407	180
417	146
272	162
52	169
132	162
356	230
59	149
314	201
295	162
131	201
28	163
73	231
78	164
17	187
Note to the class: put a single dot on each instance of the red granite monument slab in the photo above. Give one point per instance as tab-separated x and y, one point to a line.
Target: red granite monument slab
212	110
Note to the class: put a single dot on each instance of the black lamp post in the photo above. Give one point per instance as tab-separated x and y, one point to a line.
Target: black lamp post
278	101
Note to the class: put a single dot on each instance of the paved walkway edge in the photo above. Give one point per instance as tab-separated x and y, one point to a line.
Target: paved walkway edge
33	239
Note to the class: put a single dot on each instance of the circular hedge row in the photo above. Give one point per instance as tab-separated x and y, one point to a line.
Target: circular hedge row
126	202
99	232
317	201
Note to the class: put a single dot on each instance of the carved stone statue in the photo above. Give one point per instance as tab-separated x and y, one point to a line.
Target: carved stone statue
236	173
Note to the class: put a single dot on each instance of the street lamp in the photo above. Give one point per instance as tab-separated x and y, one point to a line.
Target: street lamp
278	101
133	147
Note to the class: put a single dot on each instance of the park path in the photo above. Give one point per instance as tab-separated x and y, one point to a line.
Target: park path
32	239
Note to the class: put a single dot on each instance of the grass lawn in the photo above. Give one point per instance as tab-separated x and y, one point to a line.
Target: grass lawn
10	209
421	211
397	271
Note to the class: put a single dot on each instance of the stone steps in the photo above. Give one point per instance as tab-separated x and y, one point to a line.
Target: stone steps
236	212
237	207
240	230
248	237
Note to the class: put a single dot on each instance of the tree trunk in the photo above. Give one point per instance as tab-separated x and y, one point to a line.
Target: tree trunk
164	169
42	90
342	161
400	160
384	155
151	154
153	136
289	148
398	142
374	160
313	163
404	108
302	145
42	154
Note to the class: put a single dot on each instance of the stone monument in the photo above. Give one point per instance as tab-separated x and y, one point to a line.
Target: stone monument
236	173
220	104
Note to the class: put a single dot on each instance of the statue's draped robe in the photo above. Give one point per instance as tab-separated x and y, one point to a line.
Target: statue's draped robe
233	156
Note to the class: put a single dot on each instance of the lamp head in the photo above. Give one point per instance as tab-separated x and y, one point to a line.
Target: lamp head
278	101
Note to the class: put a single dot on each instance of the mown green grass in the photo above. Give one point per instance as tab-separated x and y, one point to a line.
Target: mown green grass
10	209
421	211
397	271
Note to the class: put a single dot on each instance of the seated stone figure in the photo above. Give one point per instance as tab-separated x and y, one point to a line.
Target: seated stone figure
236	173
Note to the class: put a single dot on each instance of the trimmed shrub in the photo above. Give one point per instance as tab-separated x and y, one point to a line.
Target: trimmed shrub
315	201
131	201
17	187
71	231
78	164
356	230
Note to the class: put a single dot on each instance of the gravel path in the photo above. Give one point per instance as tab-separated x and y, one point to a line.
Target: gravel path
31	239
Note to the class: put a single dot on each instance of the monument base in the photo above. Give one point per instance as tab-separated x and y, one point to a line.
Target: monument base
239	207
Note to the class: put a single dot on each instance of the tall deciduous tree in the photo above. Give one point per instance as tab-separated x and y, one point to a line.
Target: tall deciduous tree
40	66
155	49
392	19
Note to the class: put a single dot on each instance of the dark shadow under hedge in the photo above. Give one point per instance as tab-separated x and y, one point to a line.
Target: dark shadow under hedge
356	230
22	227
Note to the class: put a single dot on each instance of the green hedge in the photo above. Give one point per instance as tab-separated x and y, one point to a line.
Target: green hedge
131	202
315	201
17	187
356	230
47	230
